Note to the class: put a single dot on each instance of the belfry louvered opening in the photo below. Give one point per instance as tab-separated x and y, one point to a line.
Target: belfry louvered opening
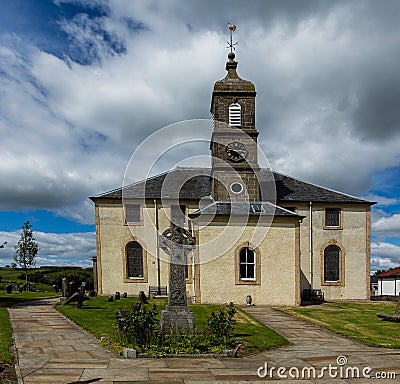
235	115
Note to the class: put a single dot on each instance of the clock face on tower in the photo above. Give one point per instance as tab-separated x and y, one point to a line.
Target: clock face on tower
236	151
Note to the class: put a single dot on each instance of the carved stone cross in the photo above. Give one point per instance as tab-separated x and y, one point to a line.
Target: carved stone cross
177	242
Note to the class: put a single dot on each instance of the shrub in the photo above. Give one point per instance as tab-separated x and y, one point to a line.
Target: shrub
221	325
137	326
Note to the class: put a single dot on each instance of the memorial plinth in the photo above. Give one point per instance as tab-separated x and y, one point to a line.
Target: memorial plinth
177	242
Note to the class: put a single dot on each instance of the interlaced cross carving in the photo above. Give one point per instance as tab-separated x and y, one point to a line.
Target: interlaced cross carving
177	242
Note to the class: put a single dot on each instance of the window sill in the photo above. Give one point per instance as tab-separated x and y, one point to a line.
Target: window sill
333	283
135	280
247	282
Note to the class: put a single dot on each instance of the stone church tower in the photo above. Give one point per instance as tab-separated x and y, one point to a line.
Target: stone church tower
234	139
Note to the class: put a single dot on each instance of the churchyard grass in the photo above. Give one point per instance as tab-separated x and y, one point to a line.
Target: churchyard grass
257	336
355	320
6	301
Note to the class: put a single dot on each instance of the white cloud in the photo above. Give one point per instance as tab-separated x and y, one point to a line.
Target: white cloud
73	249
384	255
326	76
382	200
388	225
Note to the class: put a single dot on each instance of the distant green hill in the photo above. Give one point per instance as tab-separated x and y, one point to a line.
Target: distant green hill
47	276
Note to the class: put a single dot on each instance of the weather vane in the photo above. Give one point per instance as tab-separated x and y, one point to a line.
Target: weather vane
232	28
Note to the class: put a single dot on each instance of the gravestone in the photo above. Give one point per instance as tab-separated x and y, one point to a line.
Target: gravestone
177	242
124	295
64	290
143	298
9	289
71	288
81	295
73	297
389	317
64	287
117	295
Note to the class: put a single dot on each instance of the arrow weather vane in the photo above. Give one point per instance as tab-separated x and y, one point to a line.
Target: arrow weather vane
232	28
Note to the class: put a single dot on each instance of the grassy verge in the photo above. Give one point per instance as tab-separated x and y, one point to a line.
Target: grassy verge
6	301
355	320
257	336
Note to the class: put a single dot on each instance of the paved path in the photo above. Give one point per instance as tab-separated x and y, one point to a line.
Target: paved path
51	349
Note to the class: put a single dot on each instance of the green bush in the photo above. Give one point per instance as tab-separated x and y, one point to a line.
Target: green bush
221	325
139	328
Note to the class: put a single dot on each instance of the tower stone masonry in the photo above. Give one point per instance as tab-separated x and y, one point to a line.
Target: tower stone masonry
234	139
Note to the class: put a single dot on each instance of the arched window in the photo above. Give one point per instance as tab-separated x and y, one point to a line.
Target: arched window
247	264
332	255
235	115
134	260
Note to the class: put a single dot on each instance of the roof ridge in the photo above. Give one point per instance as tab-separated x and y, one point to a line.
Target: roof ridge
323	187
132	184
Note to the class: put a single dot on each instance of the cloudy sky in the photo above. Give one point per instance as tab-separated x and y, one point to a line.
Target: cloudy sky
84	82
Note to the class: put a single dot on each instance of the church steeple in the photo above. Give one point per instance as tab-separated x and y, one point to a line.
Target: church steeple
234	138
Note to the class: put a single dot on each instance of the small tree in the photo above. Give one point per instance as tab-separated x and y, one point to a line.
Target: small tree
26	250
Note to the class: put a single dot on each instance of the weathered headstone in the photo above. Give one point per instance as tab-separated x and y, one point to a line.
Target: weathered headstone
177	242
64	290
71	288
73	297
64	287
124	295
117	295
389	317
110	298
143	298
81	295
9	289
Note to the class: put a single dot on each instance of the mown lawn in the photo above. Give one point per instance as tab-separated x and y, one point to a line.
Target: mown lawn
355	320
257	336
6	301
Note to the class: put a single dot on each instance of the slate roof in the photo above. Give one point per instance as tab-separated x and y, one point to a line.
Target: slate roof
394	272
243	209
195	184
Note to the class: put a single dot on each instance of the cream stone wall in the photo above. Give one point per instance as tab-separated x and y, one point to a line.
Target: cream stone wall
112	236
278	284
353	238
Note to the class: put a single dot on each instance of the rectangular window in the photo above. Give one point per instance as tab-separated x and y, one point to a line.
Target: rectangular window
257	208
247	264
332	217
132	213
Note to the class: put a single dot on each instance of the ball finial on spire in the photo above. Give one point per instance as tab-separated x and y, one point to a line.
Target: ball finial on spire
231	44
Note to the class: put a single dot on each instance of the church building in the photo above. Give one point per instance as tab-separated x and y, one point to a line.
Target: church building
258	232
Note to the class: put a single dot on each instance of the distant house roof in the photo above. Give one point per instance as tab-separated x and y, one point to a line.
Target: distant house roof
195	184
243	208
394	272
